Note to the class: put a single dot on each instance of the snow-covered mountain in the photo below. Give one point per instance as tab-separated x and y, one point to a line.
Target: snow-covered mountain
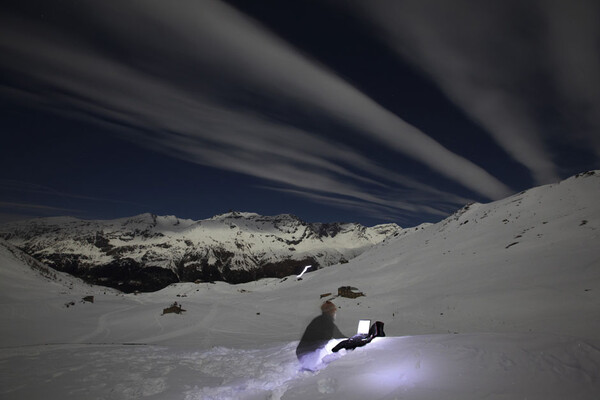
148	252
498	301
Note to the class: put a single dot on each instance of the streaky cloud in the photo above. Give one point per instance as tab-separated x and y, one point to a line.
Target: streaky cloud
5	204
197	122
11	186
489	58
379	211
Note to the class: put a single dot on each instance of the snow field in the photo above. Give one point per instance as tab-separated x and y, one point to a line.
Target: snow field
420	367
504	306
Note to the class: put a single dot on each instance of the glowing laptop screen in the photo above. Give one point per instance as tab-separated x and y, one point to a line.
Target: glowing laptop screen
363	326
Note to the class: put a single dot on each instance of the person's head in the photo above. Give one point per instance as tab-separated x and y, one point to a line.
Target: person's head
328	308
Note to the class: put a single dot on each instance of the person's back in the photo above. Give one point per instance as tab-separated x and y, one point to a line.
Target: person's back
317	334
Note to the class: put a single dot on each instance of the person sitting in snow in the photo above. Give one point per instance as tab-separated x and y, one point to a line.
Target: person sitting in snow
317	334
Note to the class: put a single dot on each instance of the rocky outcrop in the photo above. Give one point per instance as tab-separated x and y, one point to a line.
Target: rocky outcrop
349	292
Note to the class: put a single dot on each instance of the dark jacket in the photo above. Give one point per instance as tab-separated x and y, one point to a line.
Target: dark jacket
317	334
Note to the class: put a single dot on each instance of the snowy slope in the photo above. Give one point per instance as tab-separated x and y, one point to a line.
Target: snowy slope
148	252
449	367
503	306
23	276
530	262
33	299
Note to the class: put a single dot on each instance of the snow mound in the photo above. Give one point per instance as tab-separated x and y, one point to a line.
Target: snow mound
472	366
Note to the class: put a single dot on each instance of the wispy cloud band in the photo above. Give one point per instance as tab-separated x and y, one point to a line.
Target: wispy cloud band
213	45
511	65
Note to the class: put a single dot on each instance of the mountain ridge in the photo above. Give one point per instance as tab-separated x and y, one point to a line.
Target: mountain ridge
147	252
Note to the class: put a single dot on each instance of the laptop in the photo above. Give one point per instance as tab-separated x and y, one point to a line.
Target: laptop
363	326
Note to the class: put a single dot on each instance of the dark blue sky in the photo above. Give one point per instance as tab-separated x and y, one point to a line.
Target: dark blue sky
371	112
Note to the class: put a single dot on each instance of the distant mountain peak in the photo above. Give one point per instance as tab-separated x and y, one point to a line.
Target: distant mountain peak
235	215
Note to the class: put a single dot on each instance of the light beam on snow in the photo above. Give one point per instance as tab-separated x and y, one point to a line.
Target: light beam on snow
303	271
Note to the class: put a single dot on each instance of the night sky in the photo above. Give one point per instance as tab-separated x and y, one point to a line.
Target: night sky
333	110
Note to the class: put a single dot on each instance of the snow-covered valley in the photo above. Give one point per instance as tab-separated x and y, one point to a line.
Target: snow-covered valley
498	301
148	252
